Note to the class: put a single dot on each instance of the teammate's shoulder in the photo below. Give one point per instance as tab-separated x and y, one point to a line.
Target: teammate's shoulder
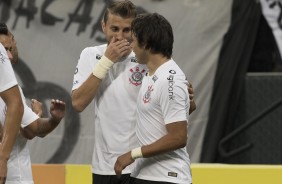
100	48
172	68
95	50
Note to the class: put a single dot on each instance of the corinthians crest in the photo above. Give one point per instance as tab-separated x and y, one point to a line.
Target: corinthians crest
147	96
136	76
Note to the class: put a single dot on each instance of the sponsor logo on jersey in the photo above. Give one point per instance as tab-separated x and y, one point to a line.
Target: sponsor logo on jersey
134	60
98	56
172	174
76	70
171	85
2	58
75	82
172	71
154	78
136	76
147	96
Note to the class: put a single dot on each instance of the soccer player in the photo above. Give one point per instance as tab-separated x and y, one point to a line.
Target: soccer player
9	92
32	125
162	108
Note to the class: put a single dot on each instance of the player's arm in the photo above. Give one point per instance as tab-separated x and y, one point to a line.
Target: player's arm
175	138
14	113
43	126
193	105
82	96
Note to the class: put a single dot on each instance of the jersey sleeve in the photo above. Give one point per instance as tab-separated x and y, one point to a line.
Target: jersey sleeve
174	99
84	68
7	75
28	116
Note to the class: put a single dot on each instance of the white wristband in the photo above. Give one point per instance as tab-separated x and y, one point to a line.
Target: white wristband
136	153
101	69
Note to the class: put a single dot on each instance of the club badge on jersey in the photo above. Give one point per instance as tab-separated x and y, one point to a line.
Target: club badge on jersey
147	96
136	76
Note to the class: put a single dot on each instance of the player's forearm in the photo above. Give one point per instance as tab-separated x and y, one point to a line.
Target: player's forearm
171	141
46	125
82	96
193	106
11	128
163	145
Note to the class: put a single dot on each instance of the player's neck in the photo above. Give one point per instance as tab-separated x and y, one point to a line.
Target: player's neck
154	62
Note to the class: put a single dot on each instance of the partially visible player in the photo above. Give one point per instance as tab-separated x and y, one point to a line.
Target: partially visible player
19	164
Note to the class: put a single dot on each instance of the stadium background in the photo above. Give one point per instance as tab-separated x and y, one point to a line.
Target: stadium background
216	44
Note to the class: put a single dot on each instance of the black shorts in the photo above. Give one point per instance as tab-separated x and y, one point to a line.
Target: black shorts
139	181
110	179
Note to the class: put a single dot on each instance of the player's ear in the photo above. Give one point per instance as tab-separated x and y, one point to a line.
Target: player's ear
103	25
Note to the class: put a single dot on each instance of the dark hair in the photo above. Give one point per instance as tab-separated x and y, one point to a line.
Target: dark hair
154	33
3	29
125	9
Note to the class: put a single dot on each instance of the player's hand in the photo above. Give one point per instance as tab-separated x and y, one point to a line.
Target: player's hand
117	49
193	105
36	107
122	162
57	109
3	168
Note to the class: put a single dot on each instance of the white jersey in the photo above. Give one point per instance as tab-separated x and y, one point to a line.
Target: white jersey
7	78
19	164
163	99
114	107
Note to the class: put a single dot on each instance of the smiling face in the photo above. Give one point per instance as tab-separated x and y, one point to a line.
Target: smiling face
118	27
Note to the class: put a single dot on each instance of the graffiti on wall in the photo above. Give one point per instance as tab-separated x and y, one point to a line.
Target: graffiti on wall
81	15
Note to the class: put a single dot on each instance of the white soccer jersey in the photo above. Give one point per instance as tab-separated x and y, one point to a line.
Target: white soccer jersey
7	79
114	107
19	164
163	99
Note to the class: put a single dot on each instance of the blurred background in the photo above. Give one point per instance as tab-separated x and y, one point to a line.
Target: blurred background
229	50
